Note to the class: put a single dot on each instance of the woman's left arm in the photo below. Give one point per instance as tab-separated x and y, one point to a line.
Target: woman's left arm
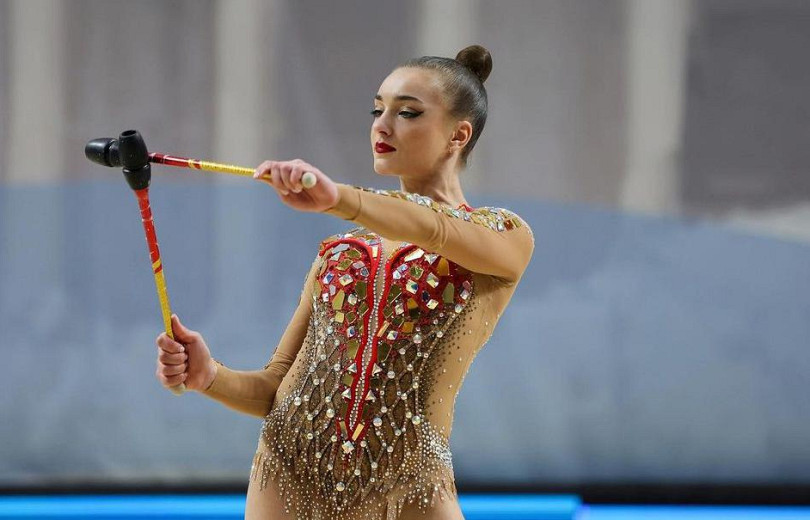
494	241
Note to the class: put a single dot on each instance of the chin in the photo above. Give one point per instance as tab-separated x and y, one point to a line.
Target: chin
382	168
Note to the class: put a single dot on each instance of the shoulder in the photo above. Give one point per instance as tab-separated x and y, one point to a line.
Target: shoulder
500	219
513	225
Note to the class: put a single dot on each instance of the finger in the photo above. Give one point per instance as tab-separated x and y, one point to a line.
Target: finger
296	176
172	380
171	370
259	171
171	359
275	176
287	172
263	170
183	333
286	168
169	345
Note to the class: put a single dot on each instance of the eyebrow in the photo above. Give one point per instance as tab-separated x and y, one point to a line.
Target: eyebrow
401	97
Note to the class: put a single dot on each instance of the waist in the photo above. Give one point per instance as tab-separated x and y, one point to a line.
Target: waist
300	428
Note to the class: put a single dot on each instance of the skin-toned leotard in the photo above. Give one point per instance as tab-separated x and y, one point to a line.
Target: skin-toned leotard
358	397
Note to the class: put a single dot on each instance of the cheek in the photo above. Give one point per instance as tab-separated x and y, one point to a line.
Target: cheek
434	141
425	137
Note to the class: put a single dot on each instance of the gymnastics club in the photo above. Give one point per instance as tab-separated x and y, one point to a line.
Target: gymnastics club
129	151
106	152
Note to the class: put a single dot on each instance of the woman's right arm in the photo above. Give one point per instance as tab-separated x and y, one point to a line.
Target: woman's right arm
253	392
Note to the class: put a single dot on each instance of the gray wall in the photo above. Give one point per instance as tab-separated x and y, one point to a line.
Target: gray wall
747	120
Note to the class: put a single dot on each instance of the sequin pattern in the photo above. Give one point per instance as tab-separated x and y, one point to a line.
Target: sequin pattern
352	436
499	219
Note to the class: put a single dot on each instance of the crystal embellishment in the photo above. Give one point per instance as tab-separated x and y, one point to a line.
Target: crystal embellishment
391	335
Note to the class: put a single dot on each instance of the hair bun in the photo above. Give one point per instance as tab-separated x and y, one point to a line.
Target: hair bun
477	59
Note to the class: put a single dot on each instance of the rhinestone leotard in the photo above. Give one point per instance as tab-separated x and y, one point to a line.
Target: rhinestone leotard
358	397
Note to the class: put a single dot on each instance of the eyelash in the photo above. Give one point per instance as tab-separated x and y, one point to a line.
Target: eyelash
410	115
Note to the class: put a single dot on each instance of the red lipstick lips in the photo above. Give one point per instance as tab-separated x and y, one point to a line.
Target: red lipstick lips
381	147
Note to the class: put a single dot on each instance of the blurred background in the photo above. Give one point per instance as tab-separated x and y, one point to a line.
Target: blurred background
660	149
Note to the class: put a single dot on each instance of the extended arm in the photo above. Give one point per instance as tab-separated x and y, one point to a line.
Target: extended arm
503	252
253	392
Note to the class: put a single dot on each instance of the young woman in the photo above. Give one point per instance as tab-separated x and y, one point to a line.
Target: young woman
358	397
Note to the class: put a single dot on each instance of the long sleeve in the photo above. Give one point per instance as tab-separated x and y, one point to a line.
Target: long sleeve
493	241
253	392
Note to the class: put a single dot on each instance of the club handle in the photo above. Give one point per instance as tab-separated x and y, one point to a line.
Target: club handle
157	268
309	180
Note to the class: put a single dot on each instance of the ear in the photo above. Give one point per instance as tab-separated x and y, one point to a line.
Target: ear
461	135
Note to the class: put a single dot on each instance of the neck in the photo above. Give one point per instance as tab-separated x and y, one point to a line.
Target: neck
443	187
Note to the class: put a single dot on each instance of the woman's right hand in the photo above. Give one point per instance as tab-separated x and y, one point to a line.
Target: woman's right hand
185	359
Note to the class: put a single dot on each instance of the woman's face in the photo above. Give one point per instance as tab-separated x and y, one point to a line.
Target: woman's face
410	115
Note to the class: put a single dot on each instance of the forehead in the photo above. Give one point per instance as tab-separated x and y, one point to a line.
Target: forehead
421	83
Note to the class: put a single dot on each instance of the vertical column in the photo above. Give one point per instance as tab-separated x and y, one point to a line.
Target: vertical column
446	27
241	95
657	33
245	30
5	28
35	147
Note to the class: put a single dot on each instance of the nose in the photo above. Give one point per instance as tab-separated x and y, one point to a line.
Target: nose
380	126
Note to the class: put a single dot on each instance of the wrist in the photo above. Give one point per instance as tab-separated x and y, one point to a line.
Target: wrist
212	374
347	206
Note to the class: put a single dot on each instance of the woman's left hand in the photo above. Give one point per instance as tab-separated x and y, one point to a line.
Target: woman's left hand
285	177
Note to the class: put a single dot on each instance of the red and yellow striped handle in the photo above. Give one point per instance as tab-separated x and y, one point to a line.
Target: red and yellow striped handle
157	269
184	162
308	180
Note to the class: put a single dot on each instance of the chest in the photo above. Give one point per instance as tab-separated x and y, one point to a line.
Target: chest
382	309
397	292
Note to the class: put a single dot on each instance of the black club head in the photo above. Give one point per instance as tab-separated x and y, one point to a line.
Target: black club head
134	159
103	151
128	151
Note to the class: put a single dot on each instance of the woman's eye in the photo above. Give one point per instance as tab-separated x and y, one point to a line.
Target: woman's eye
405	113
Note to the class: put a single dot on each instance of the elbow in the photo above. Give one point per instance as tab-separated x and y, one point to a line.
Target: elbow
264	411
520	258
510	276
513	271
260	409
